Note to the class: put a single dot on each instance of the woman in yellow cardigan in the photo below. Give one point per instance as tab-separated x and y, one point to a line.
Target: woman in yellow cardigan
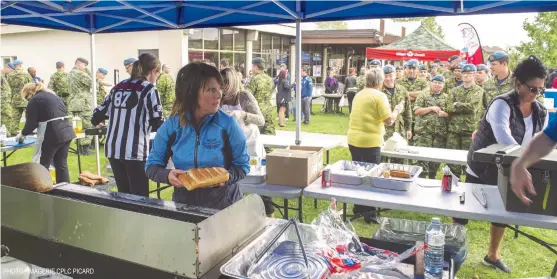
370	113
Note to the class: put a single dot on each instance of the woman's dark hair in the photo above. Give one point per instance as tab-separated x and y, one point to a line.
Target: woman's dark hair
530	68
146	63
189	81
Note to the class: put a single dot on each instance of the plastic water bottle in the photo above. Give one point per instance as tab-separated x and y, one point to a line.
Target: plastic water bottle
3	134
434	254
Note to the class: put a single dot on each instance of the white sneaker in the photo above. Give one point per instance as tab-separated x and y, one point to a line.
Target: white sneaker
277	119
286	119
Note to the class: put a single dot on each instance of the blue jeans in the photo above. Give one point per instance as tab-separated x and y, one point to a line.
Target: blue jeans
306	103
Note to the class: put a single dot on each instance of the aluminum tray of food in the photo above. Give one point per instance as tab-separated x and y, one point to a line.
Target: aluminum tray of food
256	175
394	176
350	172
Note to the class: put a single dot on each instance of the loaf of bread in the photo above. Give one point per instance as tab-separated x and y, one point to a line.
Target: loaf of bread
400	174
28	176
204	177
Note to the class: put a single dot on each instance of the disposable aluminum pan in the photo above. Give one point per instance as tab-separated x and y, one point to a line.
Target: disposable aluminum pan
257	175
350	172
394	183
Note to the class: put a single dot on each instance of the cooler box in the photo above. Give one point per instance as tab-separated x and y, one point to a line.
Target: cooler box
550	102
544	178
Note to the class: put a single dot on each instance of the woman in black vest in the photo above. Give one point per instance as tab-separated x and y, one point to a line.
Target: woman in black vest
511	118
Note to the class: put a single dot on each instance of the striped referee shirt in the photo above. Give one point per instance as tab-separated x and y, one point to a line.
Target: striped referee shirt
133	109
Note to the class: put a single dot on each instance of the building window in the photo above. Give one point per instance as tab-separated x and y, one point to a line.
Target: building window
8	59
240	40
211	38
195	56
286	45
226	39
240	62
211	58
154	52
256	45
227	55
265	43
195	39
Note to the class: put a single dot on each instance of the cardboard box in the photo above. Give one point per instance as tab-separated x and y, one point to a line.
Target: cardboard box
295	166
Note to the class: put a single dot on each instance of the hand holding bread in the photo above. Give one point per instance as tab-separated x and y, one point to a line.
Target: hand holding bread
198	178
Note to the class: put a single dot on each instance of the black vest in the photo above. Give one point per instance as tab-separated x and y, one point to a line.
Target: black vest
485	137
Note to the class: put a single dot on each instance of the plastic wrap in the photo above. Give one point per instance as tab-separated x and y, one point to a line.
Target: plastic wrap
409	231
350	172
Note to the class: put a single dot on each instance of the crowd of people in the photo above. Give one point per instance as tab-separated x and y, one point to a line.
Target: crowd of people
204	118
458	107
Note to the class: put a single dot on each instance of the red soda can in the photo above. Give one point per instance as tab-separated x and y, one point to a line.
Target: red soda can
447	183
326	178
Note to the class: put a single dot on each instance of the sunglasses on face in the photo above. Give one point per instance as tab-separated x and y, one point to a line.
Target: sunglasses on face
535	90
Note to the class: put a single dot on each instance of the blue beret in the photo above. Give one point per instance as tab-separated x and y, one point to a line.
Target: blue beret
399	68
469	68
412	63
422	67
453	58
375	62
258	60
388	69
11	65
17	62
482	67
497	56
436	60
460	65
438	78
129	61
103	71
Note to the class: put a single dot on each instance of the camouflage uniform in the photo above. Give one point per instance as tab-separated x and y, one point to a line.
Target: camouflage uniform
261	86
431	130
101	92
81	99
361	82
6	106
17	80
59	84
419	84
404	121
462	106
492	89
165	86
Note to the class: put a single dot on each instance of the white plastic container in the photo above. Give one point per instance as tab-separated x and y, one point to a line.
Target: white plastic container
351	172
394	183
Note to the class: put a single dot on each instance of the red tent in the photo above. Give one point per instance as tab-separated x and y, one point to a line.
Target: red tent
397	54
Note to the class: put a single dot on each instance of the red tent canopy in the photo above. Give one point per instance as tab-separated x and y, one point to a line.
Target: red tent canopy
398	54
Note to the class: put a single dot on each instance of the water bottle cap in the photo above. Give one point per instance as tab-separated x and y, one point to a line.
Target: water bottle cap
436	220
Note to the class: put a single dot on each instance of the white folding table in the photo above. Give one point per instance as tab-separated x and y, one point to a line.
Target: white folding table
430	154
277	191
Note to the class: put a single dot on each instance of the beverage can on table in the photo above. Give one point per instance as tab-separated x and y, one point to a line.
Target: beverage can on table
326	178
253	161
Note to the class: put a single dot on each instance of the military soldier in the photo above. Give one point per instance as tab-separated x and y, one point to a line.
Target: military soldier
482	75
128	63
374	64
261	86
33	72
6	104
59	83
81	101
399	72
361	79
454	62
501	82
101	89
423	72
431	122
462	105
413	84
17	80
455	79
397	94
8	69
165	86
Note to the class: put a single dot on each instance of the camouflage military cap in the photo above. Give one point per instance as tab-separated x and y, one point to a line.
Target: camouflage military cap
399	68
83	60
375	62
103	71
129	61
469	68
439	78
389	69
453	58
423	67
412	64
17	62
481	67
11	65
497	56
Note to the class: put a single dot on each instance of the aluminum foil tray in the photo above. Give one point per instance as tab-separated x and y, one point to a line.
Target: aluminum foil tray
351	172
394	183
409	231
256	175
239	265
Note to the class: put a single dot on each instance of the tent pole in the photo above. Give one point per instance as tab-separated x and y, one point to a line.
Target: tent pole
94	91
299	81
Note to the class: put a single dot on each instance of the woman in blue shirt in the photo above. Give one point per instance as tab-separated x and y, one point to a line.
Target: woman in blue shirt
199	135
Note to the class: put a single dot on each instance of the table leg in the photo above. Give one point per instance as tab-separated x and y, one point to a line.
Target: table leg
315	203
344	211
327	156
78	156
300	209
516	232
158	190
286	209
554	272
5	158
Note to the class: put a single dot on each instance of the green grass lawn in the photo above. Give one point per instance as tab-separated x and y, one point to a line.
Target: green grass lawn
527	258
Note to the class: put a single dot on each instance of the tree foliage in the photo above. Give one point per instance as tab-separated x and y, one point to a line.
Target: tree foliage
515	56
332	25
543	38
428	22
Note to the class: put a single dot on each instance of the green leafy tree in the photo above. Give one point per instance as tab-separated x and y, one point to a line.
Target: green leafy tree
332	25
515	56
428	22
543	38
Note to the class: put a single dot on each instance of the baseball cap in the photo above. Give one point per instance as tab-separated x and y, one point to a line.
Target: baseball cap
103	71
469	68
497	56
389	69
453	58
438	78
129	61
375	62
481	67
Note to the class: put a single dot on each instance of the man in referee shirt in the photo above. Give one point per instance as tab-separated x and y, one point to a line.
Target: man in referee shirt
134	110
